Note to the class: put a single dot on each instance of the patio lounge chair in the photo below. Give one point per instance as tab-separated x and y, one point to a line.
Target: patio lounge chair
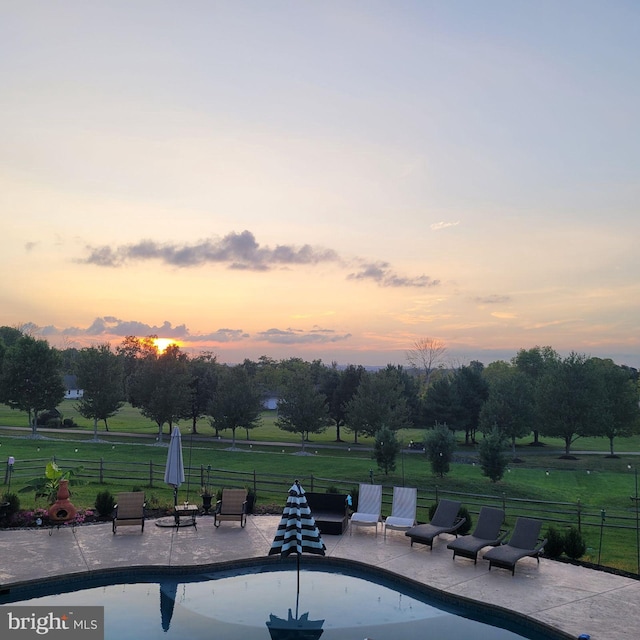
524	542
403	509
232	506
488	533
445	520
369	507
129	510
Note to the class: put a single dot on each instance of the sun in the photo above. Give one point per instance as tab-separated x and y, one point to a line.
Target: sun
162	343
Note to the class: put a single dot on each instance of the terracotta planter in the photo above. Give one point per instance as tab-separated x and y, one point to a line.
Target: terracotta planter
62	510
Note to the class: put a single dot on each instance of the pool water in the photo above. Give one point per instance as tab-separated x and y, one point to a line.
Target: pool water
238	604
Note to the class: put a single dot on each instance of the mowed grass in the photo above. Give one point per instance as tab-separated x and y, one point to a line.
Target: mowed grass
130	420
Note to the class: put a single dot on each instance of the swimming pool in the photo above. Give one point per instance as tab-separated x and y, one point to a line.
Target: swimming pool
258	599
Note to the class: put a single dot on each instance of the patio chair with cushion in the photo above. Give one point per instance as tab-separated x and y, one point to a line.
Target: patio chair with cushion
403	509
445	520
488	533
232	506
524	542
369	511
129	510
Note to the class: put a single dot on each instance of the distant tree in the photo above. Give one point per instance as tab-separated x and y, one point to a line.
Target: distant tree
620	411
491	454
510	405
160	388
203	372
440	402
470	390
386	450
31	379
134	351
426	355
534	363
100	378
302	408
237	401
378	402
439	444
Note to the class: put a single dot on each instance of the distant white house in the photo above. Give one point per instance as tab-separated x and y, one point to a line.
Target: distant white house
71	388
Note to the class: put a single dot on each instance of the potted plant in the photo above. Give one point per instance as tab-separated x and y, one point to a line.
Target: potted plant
206	493
251	499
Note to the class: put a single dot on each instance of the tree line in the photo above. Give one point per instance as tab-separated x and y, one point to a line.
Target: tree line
537	392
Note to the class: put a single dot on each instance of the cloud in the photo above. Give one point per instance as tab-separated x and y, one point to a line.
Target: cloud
439	226
109	327
241	251
298	336
493	299
236	250
379	272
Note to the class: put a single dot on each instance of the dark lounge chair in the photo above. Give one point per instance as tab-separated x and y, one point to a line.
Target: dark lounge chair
445	520
488	533
524	542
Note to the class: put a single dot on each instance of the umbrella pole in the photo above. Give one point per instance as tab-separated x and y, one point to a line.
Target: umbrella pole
298	585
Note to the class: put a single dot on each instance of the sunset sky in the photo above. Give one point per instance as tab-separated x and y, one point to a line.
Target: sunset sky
330	180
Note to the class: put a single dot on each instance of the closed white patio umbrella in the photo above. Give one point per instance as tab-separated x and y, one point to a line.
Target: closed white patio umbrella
174	471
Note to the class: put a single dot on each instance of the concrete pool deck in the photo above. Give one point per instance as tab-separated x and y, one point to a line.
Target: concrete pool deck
574	599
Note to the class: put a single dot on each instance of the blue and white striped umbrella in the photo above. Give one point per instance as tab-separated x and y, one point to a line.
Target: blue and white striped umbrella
297	532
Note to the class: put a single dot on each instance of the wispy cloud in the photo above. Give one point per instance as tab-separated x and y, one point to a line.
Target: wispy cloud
439	226
381	273
241	251
298	336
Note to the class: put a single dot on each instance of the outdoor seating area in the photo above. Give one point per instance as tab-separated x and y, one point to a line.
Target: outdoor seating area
403	509
575	599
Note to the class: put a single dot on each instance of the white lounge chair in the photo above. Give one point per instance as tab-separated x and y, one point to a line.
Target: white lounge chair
369	511
403	509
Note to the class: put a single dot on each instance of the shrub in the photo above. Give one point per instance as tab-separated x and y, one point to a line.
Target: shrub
14	503
332	489
555	543
574	543
492	454
69	422
104	503
440	444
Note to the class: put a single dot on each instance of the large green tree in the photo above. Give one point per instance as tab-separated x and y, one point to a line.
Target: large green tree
510	405
100	374
534	363
31	378
571	400
379	402
203	370
237	401
302	407
470	390
340	386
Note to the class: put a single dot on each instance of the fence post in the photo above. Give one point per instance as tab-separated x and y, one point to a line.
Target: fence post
437	500
101	470
311	482
151	473
255	483
504	502
579	515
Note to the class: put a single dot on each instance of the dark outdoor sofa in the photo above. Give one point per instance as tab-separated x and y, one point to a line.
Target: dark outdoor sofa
329	510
